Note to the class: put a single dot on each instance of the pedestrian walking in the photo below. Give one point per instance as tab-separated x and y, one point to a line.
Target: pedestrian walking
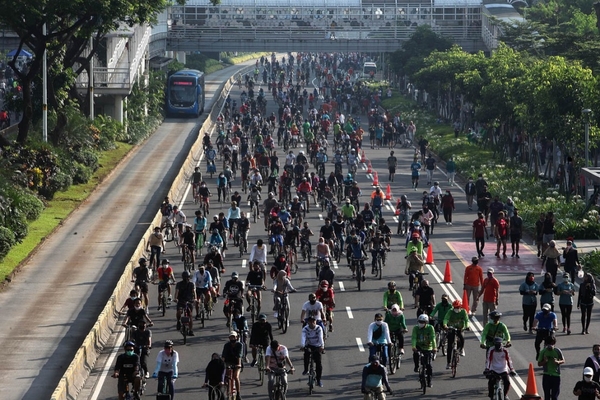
529	290
571	260
551	358
516	231
551	260
565	291
547	289
491	293
470	192
473	279
447	204
593	362
587	389
585	301
480	233
451	170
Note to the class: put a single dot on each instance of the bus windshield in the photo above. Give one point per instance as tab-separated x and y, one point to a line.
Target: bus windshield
182	92
369	69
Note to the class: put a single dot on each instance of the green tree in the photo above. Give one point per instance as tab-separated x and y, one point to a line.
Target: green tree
69	26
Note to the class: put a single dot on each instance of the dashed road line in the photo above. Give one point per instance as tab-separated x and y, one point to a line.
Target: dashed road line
359	343
342	288
244	262
349	311
335	264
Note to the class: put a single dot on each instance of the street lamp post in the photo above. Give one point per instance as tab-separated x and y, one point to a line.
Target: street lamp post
586	113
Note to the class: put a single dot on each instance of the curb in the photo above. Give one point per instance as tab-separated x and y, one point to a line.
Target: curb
83	362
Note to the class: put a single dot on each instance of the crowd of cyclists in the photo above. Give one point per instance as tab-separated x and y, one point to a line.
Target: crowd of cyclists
320	174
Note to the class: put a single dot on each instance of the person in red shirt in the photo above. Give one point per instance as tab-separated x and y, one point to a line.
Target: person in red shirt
447	204
501	233
490	291
165	274
304	190
326	296
480	233
473	278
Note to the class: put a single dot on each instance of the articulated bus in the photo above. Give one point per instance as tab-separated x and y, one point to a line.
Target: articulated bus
369	70
185	93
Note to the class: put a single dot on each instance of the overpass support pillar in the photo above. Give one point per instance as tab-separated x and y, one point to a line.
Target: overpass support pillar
118	113
180	56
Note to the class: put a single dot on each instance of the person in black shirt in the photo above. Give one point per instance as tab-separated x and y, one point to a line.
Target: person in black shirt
260	335
234	292
587	389
243	226
142	338
127	370
274	163
215	376
140	277
328	233
232	354
215	257
425	298
185	293
188	242
385	231
255	277
136	314
236	197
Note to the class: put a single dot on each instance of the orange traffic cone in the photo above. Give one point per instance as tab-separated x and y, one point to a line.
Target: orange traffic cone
465	302
388	192
531	392
429	259
369	168
363	158
447	273
375	179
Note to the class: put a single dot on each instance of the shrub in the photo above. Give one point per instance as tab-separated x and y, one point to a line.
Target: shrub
7	240
29	205
87	157
81	173
17	223
60	181
109	131
591	262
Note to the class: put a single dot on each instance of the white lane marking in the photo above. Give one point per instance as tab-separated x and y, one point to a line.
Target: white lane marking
363	167
395	219
349	311
370	176
360	345
335	264
244	262
109	363
476	326
455	185
342	288
388	207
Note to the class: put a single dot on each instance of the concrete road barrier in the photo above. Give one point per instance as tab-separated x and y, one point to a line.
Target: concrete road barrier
79	370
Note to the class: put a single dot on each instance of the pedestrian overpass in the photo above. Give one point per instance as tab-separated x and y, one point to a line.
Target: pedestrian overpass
319	25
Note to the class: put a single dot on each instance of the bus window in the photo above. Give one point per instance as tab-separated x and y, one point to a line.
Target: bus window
369	70
183	92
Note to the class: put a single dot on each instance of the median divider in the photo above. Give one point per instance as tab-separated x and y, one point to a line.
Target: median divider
80	367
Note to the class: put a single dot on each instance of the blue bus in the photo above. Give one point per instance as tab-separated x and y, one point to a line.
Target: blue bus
185	93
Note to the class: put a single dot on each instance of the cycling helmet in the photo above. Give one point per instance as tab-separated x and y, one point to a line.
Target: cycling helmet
142	260
312	296
324	284
497	340
352	151
436	183
587	371
495	314
168	343
165	262
391	284
234	274
349	176
129	344
423	318
262	316
301	152
457	303
185	275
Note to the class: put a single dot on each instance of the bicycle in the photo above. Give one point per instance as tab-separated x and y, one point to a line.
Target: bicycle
254	302
242	242
186	320
312	374
379	262
358	269
130	393
205	310
292	259
279	390
254	211
395	357
498	393
455	355
417	277
188	265
423	371
230	383
215	392
260	364
164	297
283	312
305	250
202	204
441	338
168	227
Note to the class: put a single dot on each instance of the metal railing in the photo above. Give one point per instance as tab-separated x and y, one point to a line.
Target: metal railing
109	78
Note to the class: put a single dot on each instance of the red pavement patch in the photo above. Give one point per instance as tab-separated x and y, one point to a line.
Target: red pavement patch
528	260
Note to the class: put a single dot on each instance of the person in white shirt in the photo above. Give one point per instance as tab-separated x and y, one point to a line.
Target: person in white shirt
342	118
276	358
178	218
378	334
436	190
166	367
258	253
312	342
203	282
312	308
498	362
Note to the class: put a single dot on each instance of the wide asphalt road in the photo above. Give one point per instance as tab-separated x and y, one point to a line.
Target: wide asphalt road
346	351
51	305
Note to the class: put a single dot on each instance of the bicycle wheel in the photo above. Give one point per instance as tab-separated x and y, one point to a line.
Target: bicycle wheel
261	368
379	268
202	313
499	392
392	361
286	318
279	395
358	276
454	362
423	379
443	342
163	304
184	333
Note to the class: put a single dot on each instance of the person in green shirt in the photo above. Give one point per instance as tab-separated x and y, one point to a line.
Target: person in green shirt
551	358
348	210
392	296
441	309
423	342
459	320
397	324
493	329
451	171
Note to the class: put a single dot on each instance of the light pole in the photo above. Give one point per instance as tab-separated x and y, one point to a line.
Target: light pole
587	112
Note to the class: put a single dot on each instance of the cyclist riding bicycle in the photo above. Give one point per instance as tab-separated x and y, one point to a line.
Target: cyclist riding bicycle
234	292
423	341
276	357
165	275
498	361
374	377
140	277
185	293
326	297
397	325
378	336
441	309
232	354
392	296
178	218
377	198
203	283
136	315
312	343
459	320
142	338
188	242
127	370
494	329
